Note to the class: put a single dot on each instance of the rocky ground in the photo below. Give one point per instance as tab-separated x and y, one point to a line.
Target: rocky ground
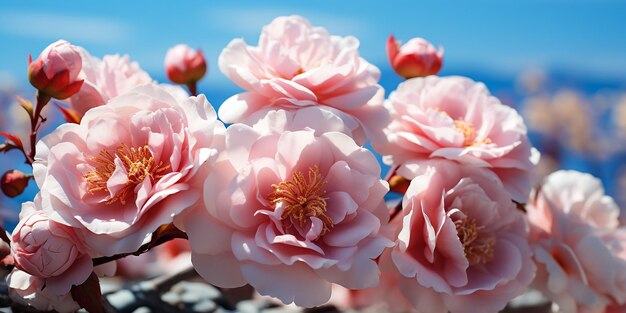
186	292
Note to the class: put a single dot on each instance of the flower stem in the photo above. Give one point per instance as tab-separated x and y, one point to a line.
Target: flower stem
172	233
193	88
35	124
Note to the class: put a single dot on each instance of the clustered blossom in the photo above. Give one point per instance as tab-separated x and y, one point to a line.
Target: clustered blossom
296	65
578	248
462	245
128	167
105	79
300	212
458	119
288	200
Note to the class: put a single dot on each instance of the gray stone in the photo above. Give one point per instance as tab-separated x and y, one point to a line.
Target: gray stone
142	309
171	297
121	298
204	306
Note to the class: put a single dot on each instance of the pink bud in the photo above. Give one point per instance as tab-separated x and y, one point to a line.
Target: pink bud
184	65
56	71
416	58
13	183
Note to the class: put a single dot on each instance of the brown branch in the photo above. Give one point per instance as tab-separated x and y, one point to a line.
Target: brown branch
35	124
164	234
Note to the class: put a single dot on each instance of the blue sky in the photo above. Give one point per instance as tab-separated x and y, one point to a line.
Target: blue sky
499	36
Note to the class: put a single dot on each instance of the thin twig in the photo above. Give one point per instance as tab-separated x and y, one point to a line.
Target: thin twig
193	88
144	248
35	124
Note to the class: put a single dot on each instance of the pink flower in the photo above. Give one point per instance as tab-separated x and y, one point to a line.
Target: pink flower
184	65
296	65
310	118
128	167
49	250
615	241
386	297
416	58
105	79
579	196
463	244
33	291
578	250
457	119
290	212
56	71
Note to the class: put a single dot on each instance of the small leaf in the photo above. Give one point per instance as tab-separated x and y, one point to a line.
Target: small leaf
520	206
165	229
88	295
27	105
7	146
166	232
15	139
69	115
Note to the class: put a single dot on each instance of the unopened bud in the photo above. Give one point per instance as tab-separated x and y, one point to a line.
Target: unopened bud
416	58
184	65
56	71
13	183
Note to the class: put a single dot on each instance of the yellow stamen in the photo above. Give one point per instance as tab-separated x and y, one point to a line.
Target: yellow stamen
469	133
298	72
477	249
138	162
303	199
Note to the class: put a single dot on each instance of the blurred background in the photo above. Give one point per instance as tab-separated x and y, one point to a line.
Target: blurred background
561	63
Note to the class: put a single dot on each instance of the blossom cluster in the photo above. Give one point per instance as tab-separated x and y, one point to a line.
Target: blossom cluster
287	198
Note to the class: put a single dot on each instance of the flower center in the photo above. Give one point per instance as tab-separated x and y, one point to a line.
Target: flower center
469	133
302	198
298	72
477	248
138	163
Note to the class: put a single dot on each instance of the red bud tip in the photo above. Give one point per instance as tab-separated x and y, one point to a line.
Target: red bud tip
416	58
184	65
55	72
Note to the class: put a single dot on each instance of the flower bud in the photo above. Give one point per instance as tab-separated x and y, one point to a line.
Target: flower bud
56	71
184	65
13	183
50	250
416	58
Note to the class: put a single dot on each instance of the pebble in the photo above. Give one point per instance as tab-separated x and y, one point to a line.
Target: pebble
171	298
204	306
142	309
